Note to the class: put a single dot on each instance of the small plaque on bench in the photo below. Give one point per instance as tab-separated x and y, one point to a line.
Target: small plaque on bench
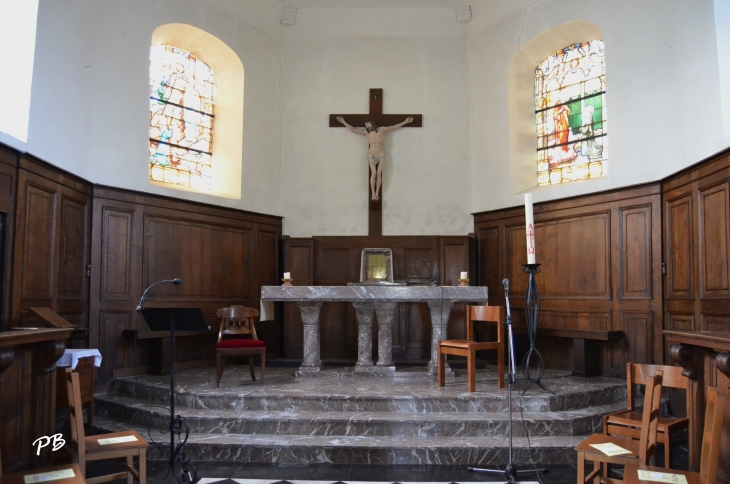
49	476
118	440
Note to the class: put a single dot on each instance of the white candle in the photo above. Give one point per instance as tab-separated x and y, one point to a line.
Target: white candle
287	275
463	275
529	229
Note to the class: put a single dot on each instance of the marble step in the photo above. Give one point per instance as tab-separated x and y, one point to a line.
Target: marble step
327	395
349	423
474	451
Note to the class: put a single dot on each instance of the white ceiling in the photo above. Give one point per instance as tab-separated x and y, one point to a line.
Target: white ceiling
372	3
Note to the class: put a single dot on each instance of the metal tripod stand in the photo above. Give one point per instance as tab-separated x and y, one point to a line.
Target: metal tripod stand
510	472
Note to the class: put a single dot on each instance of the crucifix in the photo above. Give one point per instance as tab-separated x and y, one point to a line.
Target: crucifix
374	125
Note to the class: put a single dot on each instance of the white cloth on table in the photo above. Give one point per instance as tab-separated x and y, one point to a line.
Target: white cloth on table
71	357
266	313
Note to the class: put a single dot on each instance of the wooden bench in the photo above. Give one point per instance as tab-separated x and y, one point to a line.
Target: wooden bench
585	345
159	346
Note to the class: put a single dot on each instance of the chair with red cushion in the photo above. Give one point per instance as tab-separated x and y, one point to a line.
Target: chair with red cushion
238	320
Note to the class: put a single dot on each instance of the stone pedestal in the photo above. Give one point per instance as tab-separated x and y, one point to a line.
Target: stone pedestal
364	312
311	312
440	311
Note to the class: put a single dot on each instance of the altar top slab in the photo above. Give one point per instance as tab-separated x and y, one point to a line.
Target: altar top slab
374	293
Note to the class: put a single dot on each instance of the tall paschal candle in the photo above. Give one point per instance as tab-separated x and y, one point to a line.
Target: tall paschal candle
529	229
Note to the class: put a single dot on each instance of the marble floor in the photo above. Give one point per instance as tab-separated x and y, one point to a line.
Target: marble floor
337	418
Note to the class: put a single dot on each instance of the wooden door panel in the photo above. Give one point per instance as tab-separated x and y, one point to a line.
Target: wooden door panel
74	249
637	327
713	201
40	239
636	253
116	254
679	247
116	349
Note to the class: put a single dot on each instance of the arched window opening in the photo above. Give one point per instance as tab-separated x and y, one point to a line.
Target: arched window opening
570	110
182	92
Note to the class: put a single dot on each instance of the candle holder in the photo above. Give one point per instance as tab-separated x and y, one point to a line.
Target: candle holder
463	282
287	282
532	314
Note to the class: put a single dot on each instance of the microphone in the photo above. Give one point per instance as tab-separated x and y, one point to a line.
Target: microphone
505	283
175	281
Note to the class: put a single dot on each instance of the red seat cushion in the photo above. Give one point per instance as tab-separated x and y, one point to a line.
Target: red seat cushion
241	343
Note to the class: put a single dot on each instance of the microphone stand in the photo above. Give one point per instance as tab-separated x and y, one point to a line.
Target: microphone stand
177	424
510	472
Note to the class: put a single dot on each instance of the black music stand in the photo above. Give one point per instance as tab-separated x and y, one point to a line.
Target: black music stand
171	319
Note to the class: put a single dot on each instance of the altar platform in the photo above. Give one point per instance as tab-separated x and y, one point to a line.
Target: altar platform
339	418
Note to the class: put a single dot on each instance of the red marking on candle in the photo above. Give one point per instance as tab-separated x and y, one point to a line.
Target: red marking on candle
531	239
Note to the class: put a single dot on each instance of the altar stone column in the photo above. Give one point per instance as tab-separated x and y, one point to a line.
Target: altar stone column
364	313
310	318
440	311
386	314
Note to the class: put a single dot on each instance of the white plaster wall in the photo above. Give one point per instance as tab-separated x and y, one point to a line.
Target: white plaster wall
332	58
89	105
663	89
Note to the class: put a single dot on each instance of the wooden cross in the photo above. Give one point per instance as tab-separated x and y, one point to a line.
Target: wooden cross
375	214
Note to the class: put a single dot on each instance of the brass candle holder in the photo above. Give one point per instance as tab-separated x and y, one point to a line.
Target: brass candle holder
463	282
287	282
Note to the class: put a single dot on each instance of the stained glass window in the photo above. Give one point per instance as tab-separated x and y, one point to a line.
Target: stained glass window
570	107
182	89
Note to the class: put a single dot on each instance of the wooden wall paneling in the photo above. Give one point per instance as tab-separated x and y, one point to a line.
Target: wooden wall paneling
636	252
680	241
713	201
697	247
299	260
600	257
267	240
212	261
679	247
575	247
51	243
222	256
454	256
8	181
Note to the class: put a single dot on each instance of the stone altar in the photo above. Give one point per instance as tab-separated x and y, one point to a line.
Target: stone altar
369	301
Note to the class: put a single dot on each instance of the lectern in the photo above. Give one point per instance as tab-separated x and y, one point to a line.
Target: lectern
172	319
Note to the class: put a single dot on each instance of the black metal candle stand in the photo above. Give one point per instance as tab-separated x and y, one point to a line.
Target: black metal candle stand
532	314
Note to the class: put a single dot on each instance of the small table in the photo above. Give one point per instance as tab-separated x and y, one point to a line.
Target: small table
81	361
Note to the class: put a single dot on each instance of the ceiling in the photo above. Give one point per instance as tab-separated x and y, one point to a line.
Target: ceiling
372	3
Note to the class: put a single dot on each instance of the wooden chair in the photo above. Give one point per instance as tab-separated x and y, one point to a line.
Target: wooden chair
641	450
87	449
627	423
238	320
468	347
85	369
19	477
710	456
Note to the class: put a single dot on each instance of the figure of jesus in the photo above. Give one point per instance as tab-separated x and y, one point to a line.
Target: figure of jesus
376	153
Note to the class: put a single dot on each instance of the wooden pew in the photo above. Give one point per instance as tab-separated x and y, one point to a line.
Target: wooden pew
585	345
159	346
